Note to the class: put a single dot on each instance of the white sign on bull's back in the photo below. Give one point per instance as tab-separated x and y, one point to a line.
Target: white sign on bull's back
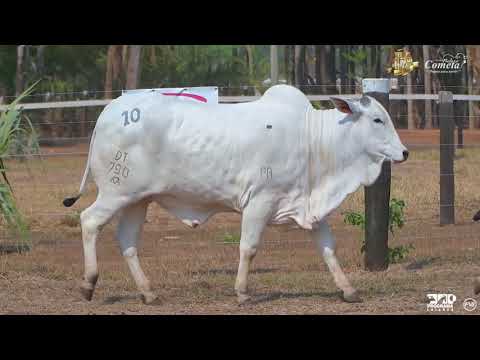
201	94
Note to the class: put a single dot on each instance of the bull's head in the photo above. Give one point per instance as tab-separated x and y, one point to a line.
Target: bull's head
373	128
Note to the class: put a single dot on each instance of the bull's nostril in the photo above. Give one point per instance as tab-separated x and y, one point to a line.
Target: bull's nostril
405	155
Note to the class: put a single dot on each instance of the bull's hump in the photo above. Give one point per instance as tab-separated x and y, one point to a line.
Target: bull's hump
286	94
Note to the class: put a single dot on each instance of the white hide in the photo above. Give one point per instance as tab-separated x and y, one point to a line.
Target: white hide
200	159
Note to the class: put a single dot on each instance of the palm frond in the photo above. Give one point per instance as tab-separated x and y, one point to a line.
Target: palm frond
11	128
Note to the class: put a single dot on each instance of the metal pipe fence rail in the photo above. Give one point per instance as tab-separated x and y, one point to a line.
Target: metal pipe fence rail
348	87
234	99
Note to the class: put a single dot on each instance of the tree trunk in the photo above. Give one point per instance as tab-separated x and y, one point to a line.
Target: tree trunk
19	76
330	70
408	91
109	72
124	62
427	88
41	59
293	80
133	71
343	69
410	118
117	68
322	64
274	64
319	55
299	65
153	55
352	69
250	61
286	63
309	68
473	63
113	76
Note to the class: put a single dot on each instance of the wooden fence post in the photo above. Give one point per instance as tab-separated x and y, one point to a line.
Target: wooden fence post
377	196
447	148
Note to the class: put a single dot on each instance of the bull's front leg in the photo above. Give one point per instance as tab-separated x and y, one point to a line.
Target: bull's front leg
325	243
254	221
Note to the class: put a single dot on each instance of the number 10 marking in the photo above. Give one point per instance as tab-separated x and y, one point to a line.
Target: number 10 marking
134	116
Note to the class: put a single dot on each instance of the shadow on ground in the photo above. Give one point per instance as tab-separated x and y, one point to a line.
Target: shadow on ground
263	298
120	299
233	271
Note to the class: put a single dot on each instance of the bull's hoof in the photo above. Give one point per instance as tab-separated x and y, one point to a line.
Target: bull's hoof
243	299
351	297
150	299
476	286
86	293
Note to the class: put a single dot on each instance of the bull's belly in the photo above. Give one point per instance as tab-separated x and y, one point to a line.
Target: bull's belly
190	209
195	211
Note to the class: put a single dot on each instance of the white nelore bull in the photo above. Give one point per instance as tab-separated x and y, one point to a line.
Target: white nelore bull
275	160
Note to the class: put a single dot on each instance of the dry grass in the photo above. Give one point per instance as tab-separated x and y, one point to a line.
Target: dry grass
194	270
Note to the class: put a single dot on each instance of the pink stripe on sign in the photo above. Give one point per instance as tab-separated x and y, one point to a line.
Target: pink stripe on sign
193	96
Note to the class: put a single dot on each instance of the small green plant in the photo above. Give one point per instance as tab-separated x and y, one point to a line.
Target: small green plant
397	216
398	253
231	238
396	220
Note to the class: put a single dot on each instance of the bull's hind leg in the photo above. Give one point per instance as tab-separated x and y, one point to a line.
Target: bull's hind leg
254	220
325	242
93	219
129	231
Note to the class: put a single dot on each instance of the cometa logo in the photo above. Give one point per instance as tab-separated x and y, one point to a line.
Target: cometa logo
448	64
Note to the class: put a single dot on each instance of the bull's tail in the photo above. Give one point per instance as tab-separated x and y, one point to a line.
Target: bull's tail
71	200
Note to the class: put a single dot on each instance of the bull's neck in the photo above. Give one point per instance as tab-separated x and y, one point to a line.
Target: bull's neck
332	148
337	163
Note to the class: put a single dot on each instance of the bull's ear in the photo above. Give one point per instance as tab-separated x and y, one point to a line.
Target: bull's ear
344	105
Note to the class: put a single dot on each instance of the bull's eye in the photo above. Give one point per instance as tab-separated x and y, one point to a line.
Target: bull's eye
378	121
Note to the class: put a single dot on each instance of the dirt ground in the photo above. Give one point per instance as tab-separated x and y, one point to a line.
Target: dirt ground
193	270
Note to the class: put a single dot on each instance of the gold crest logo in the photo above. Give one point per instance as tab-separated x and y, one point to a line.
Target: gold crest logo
403	63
